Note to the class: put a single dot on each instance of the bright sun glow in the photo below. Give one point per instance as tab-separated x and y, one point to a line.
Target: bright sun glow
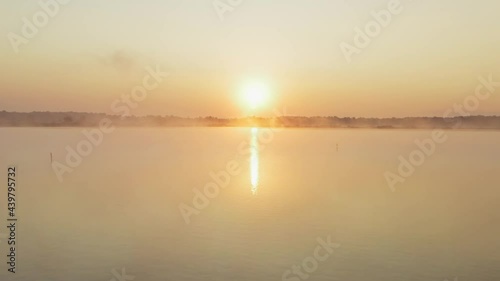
256	94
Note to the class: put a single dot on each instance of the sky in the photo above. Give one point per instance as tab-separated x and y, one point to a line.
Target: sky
427	58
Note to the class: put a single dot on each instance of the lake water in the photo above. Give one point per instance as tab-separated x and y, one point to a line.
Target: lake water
120	208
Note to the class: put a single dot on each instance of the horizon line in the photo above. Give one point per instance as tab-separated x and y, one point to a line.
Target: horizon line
250	116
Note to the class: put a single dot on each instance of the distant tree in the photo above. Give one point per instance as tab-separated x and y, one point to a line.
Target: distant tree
68	120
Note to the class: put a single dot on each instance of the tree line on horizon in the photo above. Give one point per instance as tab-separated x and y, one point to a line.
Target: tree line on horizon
81	119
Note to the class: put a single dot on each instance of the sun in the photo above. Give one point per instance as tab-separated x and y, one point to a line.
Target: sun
256	94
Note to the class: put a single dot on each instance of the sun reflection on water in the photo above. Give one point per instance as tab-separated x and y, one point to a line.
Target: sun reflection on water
254	161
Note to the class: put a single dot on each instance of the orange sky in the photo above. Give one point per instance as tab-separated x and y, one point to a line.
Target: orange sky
91	52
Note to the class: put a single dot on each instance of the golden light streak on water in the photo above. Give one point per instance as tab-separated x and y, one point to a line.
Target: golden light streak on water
254	161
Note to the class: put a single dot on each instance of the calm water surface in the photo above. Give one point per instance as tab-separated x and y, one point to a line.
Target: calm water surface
120	207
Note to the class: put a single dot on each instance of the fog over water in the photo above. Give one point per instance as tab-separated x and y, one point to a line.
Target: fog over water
120	207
